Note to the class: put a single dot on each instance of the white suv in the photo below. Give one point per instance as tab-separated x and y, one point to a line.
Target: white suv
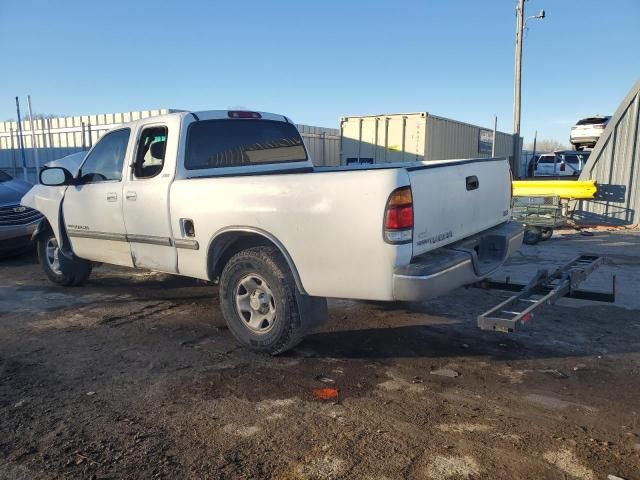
560	164
587	131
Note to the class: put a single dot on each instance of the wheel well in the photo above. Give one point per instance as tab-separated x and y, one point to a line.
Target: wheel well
43	227
227	244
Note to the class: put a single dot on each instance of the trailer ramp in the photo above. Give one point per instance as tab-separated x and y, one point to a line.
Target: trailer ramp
544	288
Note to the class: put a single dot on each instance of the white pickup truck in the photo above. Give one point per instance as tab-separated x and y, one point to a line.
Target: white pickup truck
233	198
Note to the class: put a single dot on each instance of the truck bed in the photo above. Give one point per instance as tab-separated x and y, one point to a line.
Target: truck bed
330	223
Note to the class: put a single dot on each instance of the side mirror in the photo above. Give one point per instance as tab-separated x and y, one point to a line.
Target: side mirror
56	176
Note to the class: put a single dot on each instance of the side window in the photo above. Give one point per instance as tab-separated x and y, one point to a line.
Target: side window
151	151
104	163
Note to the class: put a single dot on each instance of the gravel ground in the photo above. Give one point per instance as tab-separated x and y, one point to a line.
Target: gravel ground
135	376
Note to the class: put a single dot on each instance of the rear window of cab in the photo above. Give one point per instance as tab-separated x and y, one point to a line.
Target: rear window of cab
234	142
593	121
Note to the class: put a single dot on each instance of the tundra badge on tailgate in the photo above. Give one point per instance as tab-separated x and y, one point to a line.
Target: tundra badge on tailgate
436	238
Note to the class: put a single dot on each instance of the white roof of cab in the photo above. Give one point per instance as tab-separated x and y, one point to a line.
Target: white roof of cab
220	114
201	115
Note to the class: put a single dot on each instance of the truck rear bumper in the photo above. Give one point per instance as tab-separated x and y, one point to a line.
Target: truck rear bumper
438	272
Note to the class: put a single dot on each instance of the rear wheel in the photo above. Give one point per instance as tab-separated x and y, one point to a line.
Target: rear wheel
261	304
532	235
546	233
60	269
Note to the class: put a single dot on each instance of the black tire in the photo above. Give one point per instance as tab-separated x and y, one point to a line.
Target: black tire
532	236
546	233
258	282
69	272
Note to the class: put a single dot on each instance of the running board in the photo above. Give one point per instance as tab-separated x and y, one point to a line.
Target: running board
544	288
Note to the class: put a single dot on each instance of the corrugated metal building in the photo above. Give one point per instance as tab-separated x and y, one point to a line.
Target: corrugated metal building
61	136
413	137
615	164
323	144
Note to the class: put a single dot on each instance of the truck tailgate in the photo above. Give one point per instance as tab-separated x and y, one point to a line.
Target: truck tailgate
457	198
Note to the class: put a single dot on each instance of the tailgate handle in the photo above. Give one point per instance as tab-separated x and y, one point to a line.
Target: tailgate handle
472	182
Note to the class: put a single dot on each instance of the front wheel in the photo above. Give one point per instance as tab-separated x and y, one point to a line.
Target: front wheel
60	269
261	304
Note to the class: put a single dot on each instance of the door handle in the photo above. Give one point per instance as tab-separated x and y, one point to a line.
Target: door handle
131	196
472	183
112	197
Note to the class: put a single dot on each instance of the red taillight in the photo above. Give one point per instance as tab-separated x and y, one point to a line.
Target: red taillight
243	114
398	216
600	125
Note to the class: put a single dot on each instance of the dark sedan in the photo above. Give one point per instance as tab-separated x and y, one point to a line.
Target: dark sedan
17	223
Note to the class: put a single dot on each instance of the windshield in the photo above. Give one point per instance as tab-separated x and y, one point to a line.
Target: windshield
5	177
232	143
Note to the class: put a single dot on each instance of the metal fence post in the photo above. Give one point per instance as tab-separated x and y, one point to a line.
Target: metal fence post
33	141
13	152
50	136
495	130
21	142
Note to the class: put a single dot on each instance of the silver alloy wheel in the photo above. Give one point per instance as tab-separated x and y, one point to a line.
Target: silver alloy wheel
255	303
53	256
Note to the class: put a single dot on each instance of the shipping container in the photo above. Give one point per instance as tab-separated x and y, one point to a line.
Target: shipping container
413	137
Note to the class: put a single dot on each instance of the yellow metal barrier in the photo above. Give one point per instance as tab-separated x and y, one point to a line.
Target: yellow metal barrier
559	188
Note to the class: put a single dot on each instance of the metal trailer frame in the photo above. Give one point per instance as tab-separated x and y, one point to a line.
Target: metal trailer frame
540	215
548	288
540	211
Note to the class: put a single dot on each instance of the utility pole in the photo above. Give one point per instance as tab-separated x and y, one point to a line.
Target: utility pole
521	22
518	67
517	85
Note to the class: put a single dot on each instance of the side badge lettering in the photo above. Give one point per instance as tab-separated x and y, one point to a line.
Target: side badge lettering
436	238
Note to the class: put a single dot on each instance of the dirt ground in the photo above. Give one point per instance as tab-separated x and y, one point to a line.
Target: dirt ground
135	376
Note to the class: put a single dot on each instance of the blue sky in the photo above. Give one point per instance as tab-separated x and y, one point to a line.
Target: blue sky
315	61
